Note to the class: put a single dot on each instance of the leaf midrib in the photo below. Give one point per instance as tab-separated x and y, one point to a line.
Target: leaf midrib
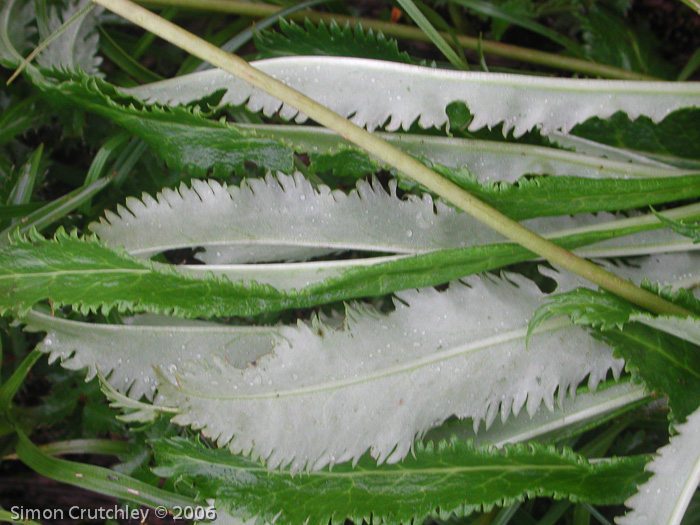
415	364
397	469
73	272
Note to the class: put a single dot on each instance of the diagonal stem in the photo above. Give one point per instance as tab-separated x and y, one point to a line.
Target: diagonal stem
392	156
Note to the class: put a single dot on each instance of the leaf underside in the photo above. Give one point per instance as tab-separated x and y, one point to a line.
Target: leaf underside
377	92
676	473
464	346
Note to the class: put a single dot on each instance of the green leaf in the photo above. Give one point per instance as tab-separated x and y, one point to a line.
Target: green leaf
666	363
681	228
84	273
376	372
586	307
90	276
438	481
285	218
331	40
348	163
185	138
547	196
90	346
688	328
677	135
132	410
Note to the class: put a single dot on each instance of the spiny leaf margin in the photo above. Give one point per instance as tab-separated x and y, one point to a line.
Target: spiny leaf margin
457	479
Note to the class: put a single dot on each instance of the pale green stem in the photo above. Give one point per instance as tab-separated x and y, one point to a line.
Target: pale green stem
392	156
488	47
693	4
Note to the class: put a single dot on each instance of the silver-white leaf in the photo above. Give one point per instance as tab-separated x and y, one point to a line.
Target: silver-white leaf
676	473
571	412
76	48
326	396
285	218
487	159
129	352
116	350
373	92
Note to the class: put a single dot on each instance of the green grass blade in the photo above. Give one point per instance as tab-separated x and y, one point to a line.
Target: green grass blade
10	387
23	190
124	60
495	11
54	210
421	21
691	66
108	447
12	517
98	479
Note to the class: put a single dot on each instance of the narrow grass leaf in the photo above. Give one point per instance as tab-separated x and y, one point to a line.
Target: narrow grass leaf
100	479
